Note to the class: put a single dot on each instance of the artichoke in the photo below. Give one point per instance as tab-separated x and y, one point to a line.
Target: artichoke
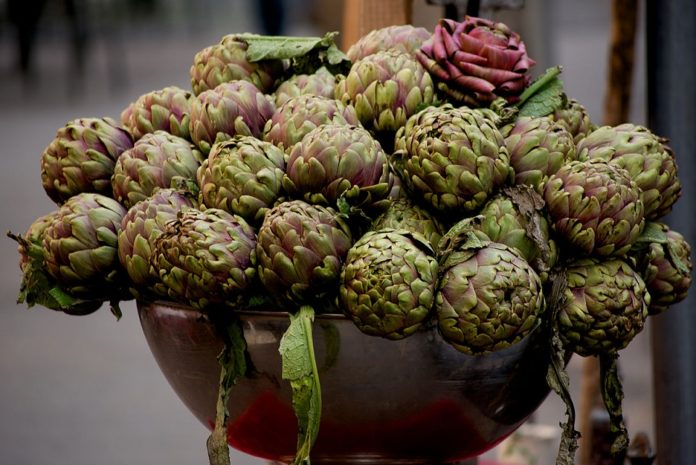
663	258
477	61
488	297
605	305
167	110
242	176
595	207
234	108
81	245
646	157
227	61
388	283
157	160
301	249
205	257
516	218
140	226
335	163
299	115
386	89
453	158
404	214
322	84
404	38
538	147
81	158
33	237
575	119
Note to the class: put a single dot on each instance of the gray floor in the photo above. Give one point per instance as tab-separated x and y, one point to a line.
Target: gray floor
86	390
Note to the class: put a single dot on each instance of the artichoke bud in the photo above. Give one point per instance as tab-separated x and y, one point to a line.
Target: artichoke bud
388	283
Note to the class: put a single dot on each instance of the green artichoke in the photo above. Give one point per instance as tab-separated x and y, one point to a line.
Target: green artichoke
404	38
242	176
234	108
575	119
205	257
157	160
322	84
81	245
388	283
299	115
477	61
538	147
404	214
515	217
386	89
335	163
488	297
605	305
595	207
646	157
34	237
82	156
301	249
140	227
227	61
167	110
663	259
453	158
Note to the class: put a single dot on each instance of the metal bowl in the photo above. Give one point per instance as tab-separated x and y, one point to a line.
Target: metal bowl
412	401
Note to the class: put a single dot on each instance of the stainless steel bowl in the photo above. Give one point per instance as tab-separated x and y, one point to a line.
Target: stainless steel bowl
414	401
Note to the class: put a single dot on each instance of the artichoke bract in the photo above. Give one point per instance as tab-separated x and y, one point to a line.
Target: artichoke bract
166	109
388	283
140	226
402	213
538	147
233	108
605	305
322	84
157	160
82	156
575	119
488	297
453	158
301	249
227	61
335	163
242	176
477	60
386	89
664	262
205	257
299	115
515	217
648	159
404	38
81	245
595	207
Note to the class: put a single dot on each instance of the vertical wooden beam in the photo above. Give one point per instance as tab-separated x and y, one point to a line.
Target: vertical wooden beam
621	57
362	16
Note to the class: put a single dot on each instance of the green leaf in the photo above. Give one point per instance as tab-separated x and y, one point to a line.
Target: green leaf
557	377
300	368
233	366
655	233
306	54
544	96
612	395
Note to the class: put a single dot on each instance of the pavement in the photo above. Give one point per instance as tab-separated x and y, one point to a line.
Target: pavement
86	390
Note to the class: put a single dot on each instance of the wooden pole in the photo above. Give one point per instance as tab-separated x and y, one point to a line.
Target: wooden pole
616	107
362	16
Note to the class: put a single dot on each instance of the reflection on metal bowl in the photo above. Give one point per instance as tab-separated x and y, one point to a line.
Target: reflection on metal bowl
412	401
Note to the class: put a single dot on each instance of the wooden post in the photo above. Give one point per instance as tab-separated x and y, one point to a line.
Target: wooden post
362	16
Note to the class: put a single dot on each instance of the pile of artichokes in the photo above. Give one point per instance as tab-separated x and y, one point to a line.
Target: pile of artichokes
428	182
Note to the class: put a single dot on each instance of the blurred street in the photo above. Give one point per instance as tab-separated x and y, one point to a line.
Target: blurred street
86	390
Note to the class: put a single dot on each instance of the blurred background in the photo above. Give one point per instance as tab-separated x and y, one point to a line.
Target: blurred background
86	390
